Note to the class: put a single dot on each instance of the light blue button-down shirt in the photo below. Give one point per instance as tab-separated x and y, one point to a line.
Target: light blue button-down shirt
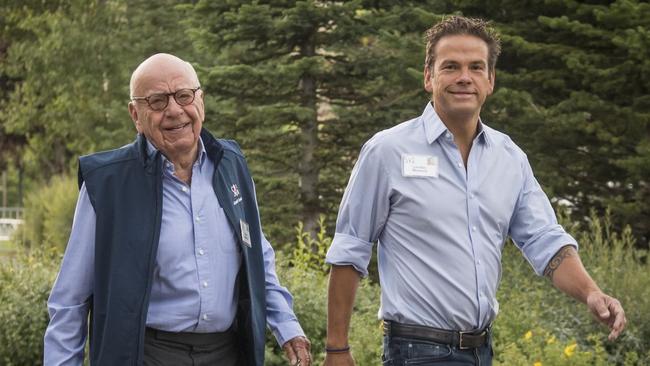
440	234
197	262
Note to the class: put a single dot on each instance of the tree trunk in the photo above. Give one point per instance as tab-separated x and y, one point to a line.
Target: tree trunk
309	169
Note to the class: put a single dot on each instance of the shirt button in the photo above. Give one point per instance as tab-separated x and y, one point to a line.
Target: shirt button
471	196
460	165
473	228
184	189
168	165
205	316
205	283
478	262
198	219
201	251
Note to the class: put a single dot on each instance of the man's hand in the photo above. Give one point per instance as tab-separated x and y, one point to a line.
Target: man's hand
569	275
608	311
298	351
339	359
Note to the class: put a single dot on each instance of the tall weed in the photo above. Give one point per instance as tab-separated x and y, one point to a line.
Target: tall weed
25	283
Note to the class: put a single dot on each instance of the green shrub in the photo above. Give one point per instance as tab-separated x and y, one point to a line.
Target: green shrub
530	303
561	330
304	272
48	214
25	283
537	324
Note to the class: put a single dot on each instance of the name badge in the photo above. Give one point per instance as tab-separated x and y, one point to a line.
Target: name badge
245	233
419	165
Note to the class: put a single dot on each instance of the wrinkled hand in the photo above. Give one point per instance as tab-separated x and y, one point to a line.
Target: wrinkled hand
608	311
298	350
339	359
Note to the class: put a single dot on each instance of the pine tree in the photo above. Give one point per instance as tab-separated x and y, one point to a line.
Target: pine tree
301	85
573	90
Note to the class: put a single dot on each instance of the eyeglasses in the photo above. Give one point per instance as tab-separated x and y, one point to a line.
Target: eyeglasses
159	102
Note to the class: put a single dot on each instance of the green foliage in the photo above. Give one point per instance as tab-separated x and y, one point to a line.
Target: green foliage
561	332
572	90
540	347
528	304
304	272
308	253
64	71
48	214
301	85
25	284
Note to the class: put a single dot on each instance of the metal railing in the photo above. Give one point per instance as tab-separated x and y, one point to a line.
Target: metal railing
8	227
10	219
11	213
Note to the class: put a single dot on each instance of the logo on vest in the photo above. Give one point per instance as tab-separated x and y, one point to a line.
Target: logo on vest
235	192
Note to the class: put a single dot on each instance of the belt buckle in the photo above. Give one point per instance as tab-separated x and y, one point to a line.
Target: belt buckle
460	340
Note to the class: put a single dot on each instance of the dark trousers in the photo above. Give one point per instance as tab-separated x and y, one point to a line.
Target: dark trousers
190	349
400	351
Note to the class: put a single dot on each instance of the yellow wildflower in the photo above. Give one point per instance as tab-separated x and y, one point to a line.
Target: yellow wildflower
568	350
551	340
537	363
528	335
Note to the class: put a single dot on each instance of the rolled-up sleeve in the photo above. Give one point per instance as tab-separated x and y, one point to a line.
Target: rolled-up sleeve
363	211
69	300
534	227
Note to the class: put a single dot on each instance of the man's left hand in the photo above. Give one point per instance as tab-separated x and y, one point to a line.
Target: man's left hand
608	311
298	351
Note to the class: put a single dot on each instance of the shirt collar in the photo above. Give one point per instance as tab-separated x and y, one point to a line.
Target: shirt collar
152	150
434	127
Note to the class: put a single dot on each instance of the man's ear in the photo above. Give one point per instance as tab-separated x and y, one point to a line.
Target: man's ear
428	85
133	112
492	79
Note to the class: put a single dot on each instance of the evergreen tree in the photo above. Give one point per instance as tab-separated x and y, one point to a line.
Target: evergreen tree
65	70
301	85
573	89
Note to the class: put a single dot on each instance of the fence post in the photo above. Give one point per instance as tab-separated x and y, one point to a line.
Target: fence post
4	188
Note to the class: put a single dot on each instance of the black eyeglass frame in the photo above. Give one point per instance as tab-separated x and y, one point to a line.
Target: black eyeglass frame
167	95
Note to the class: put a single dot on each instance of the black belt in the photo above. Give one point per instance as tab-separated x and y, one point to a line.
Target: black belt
192	339
462	340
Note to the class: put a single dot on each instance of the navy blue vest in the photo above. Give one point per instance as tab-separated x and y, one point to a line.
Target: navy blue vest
125	189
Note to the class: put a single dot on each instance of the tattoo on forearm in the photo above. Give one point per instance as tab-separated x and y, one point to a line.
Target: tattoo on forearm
565	252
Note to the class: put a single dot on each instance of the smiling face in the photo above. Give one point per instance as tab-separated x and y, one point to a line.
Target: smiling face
459	80
174	130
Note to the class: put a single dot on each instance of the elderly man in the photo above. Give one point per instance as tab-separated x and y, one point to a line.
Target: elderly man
166	250
440	193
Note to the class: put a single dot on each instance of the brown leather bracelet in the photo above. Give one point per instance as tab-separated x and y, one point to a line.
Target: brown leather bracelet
345	349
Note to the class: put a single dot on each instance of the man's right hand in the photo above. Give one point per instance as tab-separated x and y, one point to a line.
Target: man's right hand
339	359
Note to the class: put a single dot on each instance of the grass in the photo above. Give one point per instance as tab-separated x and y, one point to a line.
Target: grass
7	249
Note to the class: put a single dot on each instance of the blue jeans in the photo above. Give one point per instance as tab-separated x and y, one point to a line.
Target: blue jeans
409	351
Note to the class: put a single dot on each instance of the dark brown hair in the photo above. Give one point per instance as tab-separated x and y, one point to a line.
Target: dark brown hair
457	25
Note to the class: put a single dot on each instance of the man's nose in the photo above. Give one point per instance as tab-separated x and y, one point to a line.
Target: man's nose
464	77
173	108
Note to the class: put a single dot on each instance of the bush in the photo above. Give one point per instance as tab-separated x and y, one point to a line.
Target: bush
304	272
537	324
48	214
25	283
529	303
